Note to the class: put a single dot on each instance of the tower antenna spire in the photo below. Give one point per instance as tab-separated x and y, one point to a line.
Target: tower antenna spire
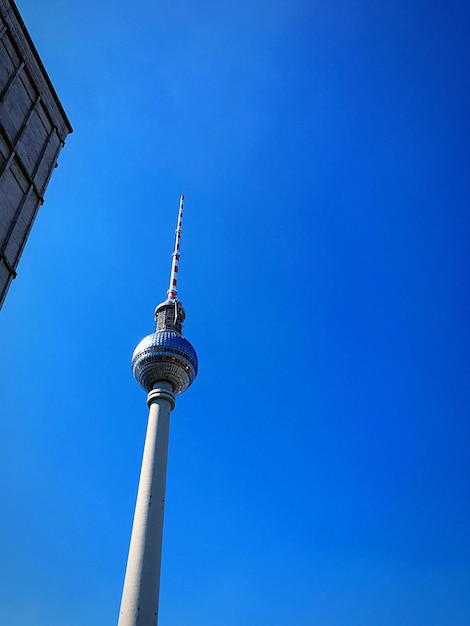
172	291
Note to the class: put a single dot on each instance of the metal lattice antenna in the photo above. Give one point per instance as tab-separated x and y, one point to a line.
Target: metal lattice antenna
172	291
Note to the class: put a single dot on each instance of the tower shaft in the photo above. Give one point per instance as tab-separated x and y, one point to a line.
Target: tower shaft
139	604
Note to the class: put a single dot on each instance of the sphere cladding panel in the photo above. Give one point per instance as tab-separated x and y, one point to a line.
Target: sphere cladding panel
165	355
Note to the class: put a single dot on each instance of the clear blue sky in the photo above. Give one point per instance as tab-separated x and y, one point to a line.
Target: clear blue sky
319	467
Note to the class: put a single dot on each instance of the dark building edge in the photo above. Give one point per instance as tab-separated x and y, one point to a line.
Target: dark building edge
14	23
42	69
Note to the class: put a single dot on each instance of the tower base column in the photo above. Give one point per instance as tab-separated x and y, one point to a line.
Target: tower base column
139	604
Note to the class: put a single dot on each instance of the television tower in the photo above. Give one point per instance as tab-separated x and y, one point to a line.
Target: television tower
164	364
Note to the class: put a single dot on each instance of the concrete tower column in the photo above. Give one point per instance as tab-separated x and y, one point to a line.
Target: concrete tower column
139	604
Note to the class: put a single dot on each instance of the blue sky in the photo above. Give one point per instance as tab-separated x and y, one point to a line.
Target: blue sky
318	467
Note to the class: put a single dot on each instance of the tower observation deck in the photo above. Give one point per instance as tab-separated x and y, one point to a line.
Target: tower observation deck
164	364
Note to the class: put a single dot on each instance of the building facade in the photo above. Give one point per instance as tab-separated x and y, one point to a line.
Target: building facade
33	128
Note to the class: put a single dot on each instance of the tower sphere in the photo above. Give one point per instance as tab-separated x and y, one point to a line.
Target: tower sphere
165	356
